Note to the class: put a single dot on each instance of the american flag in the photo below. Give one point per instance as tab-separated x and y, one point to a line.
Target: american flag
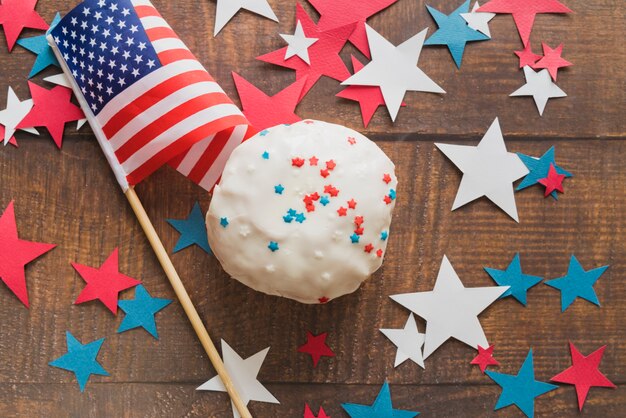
148	99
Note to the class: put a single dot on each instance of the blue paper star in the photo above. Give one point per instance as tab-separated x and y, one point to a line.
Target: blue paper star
192	230
577	283
521	389
141	310
273	245
538	169
39	46
519	283
381	408
279	188
453	31
81	359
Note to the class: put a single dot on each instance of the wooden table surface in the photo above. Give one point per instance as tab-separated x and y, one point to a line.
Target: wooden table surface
70	197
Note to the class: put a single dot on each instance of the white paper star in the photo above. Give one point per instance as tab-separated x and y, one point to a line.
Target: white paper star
540	86
450	309
13	115
298	44
409	342
488	170
394	69
61	80
478	20
244	374
226	9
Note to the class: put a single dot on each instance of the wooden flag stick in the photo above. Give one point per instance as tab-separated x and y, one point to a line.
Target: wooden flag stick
185	301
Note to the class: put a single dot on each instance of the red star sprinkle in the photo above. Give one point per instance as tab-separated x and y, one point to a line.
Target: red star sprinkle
552	60
379	252
316	347
309	122
104	283
527	57
553	182
52	109
15	253
352	204
330	164
359	231
358	220
315	196
297	162
323	300
351	140
310	208
331	190
324	172
369	248
485	358
584	373
387	178
387	200
15	15
342	211
313	160
309	414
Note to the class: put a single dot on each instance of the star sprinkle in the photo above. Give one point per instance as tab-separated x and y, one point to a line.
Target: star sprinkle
539	168
15	253
309	414
488	170
15	15
409	342
38	45
224	222
524	12
81	359
244	376
316	347
273	246
553	182
521	389
552	60
10	117
394	69
578	283
478	21
584	373
192	230
323	54
255	103
485	358
513	277
527	57
141	310
226	9
450	309
540	86
298	44
453	32
279	188
104	283
381	408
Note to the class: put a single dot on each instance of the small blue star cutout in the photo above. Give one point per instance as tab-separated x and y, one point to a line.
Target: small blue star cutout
513	277
354	238
521	389
324	200
392	194
381	408
141	310
538	169
453	32
39	46
224	222
266	155
273	245
384	235
300	218
264	132
577	283
288	218
192	230
278	189
292	212
81	359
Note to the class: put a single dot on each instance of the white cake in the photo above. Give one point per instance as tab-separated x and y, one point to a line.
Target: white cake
303	211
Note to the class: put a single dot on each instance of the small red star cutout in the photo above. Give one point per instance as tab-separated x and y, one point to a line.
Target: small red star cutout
342	211
313	160
584	373
330	164
379	253
331	190
358	220
15	15
485	358
552	60
369	248
387	178
309	414
323	300
352	204
104	283
351	140
316	347
387	199
553	182
324	172
527	57
359	231
15	253
297	162
309	122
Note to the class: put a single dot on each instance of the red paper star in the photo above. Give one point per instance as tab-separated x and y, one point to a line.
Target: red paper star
524	12
552	60
553	182
309	414
256	104
527	57
485	358
15	253
15	15
52	109
584	373
12	140
104	283
337	13
316	347
323	54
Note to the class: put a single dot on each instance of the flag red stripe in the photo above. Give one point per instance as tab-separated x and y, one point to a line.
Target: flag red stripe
210	155
173	55
154	34
145	11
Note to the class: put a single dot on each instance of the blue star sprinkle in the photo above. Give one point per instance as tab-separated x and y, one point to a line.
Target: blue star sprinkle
577	283
392	194
288	218
292	212
266	155
384	235
192	230
324	200
538	169
264	132
300	218
354	238
273	245
224	222
513	277
141	310
278	189
521	389
39	45
81	359
381	408
453	32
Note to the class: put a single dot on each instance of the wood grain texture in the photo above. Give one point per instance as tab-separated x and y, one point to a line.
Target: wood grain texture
70	198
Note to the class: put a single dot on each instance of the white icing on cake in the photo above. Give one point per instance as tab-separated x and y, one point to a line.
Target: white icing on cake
269	235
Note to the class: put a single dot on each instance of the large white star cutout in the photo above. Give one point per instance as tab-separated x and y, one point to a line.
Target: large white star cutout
298	44
540	86
13	115
409	342
394	69
478	20
488	170
244	375
450	309
61	80
226	9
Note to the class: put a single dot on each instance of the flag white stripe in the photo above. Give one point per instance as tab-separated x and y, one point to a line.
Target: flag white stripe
193	155
215	171
142	3
151	22
168	44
